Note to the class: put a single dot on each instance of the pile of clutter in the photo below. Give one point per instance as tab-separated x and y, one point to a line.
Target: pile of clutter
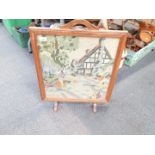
141	32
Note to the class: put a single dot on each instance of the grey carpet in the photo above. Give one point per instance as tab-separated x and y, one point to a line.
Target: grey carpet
131	110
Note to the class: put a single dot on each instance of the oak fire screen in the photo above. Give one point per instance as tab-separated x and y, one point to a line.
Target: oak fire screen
75	65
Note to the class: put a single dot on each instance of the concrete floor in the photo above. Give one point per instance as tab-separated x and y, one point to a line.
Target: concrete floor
131	110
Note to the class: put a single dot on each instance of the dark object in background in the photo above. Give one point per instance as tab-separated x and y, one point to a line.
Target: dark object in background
67	20
115	27
132	26
47	22
29	46
22	29
115	24
139	43
0	20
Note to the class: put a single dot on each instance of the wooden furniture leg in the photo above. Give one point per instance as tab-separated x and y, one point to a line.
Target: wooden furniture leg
94	107
55	106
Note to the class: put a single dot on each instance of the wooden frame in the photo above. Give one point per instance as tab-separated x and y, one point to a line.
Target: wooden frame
67	30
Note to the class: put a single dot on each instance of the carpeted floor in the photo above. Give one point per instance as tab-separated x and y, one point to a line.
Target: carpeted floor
131	111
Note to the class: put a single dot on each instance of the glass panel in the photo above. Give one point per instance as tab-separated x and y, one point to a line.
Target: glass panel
65	72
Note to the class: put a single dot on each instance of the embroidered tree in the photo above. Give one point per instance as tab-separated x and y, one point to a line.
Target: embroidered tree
59	48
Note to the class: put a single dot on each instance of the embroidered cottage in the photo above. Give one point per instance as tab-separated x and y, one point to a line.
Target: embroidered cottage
99	54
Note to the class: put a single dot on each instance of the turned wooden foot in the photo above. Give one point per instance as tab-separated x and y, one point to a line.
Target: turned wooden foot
94	107
55	106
